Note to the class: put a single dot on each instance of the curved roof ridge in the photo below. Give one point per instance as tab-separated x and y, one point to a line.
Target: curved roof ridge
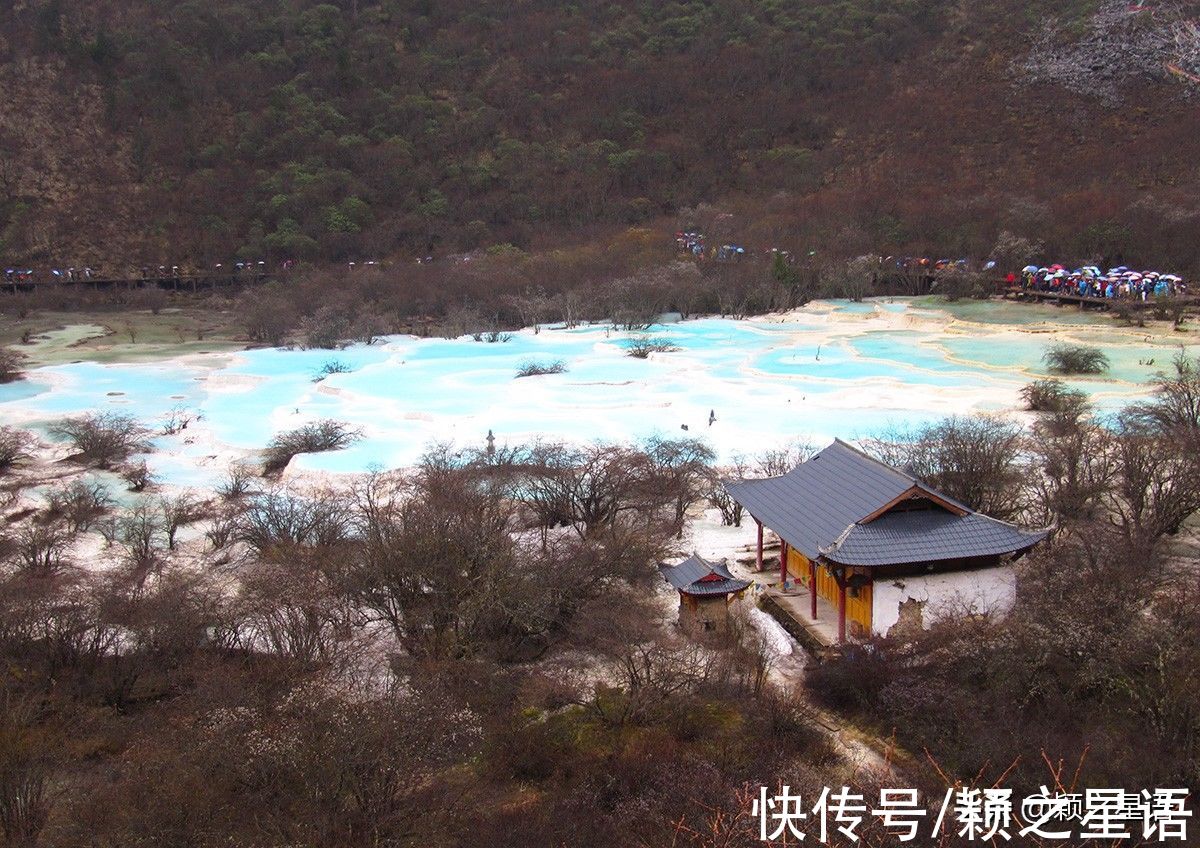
836	543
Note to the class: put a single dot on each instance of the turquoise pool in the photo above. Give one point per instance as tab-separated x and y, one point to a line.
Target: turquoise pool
834	369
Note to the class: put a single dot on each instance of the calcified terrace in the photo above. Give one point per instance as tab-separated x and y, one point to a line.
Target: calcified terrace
830	369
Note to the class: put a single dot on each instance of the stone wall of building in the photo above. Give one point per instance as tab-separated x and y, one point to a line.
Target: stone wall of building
704	614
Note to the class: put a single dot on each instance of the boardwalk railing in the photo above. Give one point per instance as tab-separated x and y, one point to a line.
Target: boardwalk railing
1085	302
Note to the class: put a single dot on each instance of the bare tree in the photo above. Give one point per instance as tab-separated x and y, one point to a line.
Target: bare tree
14	446
439	564
955	283
775	462
140	533
40	549
25	800
1175	408
1075	467
79	504
1157	485
683	472
177	511
586	488
291	609
853	280
277	522
1012	251
976	460
327	328
268	315
11	364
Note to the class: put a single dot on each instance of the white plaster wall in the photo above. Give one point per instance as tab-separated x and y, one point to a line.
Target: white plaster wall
980	589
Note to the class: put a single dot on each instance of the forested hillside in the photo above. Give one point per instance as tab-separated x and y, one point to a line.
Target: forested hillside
144	130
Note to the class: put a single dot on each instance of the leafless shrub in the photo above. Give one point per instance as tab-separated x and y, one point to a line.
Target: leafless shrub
1066	358
642	346
955	283
102	438
331	367
437	562
268	315
79	504
327	328
25	772
852	280
315	437
137	475
531	368
222	529
176	420
1050	396
292	611
237	483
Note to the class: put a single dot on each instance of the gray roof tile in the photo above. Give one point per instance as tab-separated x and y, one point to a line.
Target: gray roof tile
819	504
927	536
688	576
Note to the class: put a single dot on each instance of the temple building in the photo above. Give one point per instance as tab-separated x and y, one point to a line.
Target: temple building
875	542
705	592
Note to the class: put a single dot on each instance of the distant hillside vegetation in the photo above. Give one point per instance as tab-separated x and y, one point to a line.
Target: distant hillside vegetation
139	131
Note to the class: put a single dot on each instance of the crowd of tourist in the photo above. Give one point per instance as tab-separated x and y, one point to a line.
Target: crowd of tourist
145	272
1091	281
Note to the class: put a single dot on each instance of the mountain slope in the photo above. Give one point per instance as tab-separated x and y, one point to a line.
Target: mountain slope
151	131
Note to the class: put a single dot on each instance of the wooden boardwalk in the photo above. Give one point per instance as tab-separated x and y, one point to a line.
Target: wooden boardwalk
1085	302
181	283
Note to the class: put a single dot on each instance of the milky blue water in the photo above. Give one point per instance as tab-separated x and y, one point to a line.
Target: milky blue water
836	369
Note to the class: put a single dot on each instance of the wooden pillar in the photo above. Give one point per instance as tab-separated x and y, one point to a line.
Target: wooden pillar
812	588
759	562
842	609
783	552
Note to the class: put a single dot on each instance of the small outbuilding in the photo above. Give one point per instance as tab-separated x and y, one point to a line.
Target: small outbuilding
706	590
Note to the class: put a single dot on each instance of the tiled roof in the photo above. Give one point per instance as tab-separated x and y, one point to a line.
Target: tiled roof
928	535
822	502
689	577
